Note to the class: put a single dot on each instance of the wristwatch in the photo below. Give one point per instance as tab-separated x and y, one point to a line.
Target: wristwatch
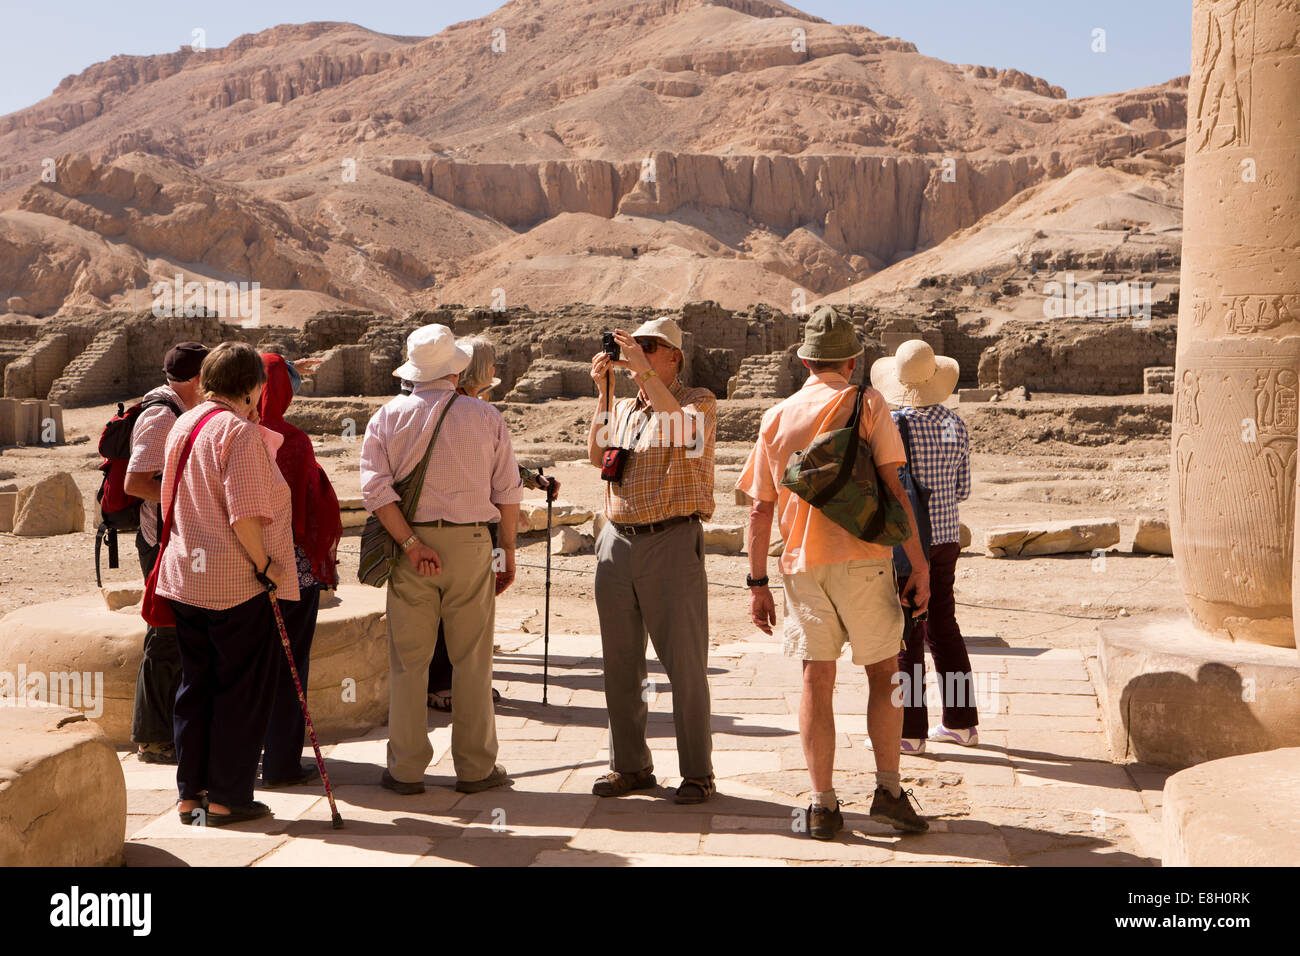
648	373
406	545
755	582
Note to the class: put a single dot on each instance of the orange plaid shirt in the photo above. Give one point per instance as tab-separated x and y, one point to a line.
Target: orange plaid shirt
661	479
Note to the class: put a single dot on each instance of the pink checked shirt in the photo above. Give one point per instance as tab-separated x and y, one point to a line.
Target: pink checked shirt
472	468
231	474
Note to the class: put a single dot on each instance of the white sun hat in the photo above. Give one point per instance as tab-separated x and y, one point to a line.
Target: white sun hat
665	329
915	376
432	352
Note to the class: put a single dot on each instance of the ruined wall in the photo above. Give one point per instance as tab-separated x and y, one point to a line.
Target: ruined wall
1088	357
99	374
31	375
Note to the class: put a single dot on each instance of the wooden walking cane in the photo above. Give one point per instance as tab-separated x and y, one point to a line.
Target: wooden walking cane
546	620
336	819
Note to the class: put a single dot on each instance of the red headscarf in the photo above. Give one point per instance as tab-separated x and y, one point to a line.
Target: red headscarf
317	524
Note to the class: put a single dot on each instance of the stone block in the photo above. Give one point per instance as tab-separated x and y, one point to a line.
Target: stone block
1173	696
727	539
9	421
51	506
115	599
1158	380
1238	811
1053	537
565	540
532	514
1151	536
965	395
964	536
8	503
62	793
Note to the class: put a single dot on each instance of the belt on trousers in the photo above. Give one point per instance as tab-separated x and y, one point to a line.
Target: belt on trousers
440	523
633	529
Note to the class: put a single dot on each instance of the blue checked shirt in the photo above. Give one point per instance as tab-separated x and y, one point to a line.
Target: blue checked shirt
941	462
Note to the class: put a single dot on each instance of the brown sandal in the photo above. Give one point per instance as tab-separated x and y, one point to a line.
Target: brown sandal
616	783
694	790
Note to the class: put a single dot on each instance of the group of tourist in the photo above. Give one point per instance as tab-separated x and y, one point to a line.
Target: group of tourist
235	500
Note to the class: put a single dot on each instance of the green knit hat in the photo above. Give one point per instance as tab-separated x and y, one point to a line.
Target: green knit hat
829	337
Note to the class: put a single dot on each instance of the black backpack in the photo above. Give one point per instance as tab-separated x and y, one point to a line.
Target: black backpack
119	511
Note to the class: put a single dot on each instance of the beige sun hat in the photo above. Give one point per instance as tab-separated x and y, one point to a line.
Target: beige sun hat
432	352
915	376
665	330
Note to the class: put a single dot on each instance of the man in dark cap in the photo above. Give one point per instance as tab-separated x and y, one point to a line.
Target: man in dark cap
160	668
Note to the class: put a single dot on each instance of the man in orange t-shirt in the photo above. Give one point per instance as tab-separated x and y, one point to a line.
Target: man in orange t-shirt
838	588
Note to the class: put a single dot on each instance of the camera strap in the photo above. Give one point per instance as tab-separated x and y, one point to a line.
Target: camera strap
628	424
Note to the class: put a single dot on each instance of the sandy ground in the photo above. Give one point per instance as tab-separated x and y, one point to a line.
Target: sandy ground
1052	601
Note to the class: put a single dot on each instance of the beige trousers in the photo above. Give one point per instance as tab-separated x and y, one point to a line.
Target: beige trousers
462	597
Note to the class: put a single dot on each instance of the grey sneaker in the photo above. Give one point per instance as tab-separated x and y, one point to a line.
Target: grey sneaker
897	811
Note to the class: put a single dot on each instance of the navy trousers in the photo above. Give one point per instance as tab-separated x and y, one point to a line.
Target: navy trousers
282	748
228	671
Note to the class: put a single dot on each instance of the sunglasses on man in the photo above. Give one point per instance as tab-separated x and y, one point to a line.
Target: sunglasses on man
648	346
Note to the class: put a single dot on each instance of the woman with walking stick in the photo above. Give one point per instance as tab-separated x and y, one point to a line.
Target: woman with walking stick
228	519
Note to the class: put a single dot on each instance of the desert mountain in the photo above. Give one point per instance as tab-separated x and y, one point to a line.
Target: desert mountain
554	151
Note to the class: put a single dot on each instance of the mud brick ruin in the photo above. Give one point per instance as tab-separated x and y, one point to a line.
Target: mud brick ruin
95	358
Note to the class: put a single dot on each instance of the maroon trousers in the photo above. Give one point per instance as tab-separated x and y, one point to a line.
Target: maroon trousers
942	636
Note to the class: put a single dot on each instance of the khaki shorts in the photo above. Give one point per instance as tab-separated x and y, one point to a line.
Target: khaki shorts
854	601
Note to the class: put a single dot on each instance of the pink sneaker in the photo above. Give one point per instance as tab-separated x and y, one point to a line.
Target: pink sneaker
963	738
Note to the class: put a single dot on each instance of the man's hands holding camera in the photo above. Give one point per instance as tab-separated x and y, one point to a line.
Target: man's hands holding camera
634	360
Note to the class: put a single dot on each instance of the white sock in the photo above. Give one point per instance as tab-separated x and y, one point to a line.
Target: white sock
891	781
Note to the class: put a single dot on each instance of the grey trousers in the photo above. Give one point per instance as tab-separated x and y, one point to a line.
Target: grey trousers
655	582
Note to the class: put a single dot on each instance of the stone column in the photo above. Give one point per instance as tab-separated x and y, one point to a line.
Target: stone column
1232	500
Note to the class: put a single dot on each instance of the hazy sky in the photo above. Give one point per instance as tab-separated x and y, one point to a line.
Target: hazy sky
1147	41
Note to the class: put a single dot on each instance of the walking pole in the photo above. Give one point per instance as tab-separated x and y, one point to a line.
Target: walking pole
336	819
546	621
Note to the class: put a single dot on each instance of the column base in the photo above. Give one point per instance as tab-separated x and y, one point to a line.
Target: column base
1173	696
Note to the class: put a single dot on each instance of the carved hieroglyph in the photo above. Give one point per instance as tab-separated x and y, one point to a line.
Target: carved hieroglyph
1237	398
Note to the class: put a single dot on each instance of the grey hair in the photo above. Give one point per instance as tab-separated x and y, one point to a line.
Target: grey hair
478	374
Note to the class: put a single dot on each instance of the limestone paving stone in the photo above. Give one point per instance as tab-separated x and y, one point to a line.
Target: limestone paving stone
239	851
336	848
520	851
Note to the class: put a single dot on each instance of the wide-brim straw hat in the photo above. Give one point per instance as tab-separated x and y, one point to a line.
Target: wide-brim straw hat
829	337
432	352
915	376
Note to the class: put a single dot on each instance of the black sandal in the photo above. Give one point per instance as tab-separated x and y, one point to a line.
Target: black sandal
189	816
254	811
